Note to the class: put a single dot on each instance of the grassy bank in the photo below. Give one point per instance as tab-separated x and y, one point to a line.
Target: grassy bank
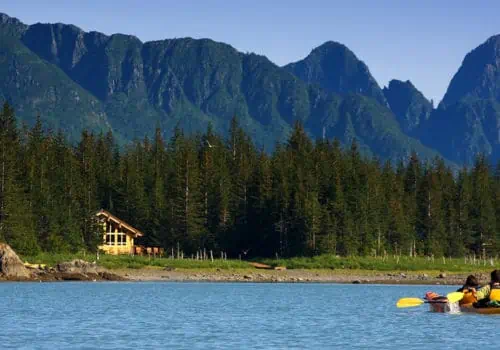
323	262
389	263
135	262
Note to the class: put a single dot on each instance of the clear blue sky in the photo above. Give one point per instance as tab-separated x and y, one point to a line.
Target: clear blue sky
423	41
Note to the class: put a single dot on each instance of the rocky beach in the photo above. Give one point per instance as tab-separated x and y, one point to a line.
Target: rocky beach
12	268
293	276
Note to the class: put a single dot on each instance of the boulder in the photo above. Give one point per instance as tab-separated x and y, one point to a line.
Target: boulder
78	266
109	276
11	266
72	276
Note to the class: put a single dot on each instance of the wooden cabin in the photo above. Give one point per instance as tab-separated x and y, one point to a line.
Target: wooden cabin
118	236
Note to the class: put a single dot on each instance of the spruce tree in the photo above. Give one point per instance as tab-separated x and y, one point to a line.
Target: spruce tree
482	211
16	221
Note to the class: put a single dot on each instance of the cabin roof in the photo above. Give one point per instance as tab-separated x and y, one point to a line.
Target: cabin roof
106	214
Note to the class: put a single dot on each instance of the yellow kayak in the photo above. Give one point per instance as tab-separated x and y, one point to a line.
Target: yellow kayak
480	310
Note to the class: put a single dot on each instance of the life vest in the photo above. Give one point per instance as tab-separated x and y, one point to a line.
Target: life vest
431	296
468	298
495	293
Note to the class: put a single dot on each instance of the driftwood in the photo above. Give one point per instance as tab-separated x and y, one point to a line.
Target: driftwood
260	266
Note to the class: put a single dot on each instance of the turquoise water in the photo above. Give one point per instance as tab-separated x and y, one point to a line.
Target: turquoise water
230	316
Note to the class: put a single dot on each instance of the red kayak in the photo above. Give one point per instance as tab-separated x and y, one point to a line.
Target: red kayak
439	303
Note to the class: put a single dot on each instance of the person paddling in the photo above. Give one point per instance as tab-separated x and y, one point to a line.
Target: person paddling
489	295
469	289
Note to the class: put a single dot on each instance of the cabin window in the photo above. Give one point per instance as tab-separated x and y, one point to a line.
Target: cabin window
122	239
110	239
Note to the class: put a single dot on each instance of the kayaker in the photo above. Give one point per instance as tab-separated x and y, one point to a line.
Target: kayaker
469	289
491	291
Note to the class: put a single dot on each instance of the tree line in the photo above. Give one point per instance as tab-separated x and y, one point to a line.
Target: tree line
224	194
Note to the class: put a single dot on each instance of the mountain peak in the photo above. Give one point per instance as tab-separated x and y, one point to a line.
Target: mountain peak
399	83
11	25
333	52
334	67
494	40
479	75
408	104
331	45
4	18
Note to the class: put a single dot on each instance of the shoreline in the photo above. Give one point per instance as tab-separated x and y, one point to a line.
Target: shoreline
151	274
52	268
12	269
292	276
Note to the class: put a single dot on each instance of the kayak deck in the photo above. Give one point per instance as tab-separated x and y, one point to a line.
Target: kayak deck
480	310
446	307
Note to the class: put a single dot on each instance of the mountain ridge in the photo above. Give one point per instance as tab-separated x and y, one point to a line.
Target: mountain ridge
130	87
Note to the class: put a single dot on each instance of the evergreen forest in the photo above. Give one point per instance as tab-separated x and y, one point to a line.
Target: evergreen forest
202	191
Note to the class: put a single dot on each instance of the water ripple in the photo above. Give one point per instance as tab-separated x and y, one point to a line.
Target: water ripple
229	316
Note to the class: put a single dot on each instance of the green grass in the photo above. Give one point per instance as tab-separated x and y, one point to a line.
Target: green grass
136	262
391	263
323	262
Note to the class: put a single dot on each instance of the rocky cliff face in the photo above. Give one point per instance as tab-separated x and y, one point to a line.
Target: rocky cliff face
11	26
35	86
408	104
463	130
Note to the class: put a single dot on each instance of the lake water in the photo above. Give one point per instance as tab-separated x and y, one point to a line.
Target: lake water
231	316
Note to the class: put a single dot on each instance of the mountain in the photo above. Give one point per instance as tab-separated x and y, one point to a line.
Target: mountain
337	69
408	104
463	130
467	121
478	76
76	79
35	86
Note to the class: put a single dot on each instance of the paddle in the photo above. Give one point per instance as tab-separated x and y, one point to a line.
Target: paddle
409	302
452	297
